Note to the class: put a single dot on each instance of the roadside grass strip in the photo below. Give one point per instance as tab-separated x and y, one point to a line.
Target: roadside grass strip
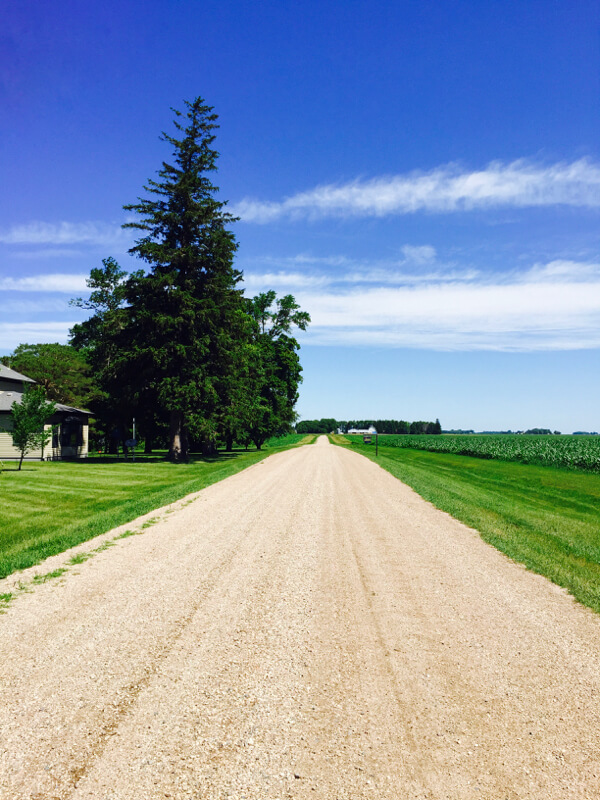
48	576
545	518
26	587
49	507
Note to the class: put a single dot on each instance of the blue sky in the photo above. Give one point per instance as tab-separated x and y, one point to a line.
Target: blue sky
423	177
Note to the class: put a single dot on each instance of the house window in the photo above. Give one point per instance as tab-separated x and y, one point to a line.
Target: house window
71	434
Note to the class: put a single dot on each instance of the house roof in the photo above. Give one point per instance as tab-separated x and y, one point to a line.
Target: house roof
8	374
8	398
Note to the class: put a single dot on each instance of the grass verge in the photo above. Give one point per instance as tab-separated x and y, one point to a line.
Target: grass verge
49	507
545	518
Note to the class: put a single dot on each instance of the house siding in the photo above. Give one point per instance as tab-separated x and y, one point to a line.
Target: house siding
9	452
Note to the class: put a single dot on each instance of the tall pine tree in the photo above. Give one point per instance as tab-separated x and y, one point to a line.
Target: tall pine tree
186	316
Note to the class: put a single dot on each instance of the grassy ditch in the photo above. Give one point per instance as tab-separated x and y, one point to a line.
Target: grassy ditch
49	507
545	518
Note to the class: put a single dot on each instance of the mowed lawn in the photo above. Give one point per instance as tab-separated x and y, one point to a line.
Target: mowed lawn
51	506
545	518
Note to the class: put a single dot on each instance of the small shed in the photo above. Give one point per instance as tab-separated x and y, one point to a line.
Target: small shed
69	425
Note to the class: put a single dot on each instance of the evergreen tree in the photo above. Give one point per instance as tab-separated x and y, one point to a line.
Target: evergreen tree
186	316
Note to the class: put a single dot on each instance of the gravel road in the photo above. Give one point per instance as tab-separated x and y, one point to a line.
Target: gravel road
309	628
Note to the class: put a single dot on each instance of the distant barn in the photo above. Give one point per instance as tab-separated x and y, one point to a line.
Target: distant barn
370	431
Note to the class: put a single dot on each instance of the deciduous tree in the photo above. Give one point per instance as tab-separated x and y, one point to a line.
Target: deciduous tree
276	373
28	419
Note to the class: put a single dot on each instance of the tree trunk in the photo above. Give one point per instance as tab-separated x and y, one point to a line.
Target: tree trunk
229	443
148	443
22	457
176	437
208	448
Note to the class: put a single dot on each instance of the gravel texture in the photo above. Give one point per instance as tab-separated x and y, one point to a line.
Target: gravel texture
308	628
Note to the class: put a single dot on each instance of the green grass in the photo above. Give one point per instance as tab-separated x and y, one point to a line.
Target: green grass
543	517
48	576
49	507
292	439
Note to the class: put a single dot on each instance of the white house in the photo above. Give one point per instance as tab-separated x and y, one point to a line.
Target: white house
363	431
69	425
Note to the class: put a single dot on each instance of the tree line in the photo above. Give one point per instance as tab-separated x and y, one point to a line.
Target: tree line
177	345
327	425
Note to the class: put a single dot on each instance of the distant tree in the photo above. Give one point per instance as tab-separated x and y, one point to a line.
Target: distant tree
305	426
28	419
324	425
62	370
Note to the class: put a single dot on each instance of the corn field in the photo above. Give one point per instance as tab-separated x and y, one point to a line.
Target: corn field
575	452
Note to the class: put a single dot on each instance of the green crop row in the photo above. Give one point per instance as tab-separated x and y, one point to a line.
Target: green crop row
575	452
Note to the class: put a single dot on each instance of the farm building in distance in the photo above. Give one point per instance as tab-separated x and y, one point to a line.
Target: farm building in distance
69	425
368	431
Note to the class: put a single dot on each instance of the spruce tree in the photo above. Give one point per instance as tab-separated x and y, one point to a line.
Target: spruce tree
186	316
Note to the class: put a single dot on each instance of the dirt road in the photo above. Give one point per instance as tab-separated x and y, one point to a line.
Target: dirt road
309	628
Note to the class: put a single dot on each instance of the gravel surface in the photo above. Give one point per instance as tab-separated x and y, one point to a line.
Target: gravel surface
308	628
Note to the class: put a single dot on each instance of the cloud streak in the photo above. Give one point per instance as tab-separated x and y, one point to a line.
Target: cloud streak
57	282
16	333
66	233
513	317
553	306
446	189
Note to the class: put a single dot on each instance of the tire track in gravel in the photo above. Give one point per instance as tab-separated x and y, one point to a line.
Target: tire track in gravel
307	628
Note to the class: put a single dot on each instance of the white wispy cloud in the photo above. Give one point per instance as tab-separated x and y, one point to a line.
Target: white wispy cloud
550	306
261	281
558	314
289	281
57	282
562	270
16	333
66	233
445	189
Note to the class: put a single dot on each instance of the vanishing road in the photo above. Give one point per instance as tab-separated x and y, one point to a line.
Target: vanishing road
309	628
